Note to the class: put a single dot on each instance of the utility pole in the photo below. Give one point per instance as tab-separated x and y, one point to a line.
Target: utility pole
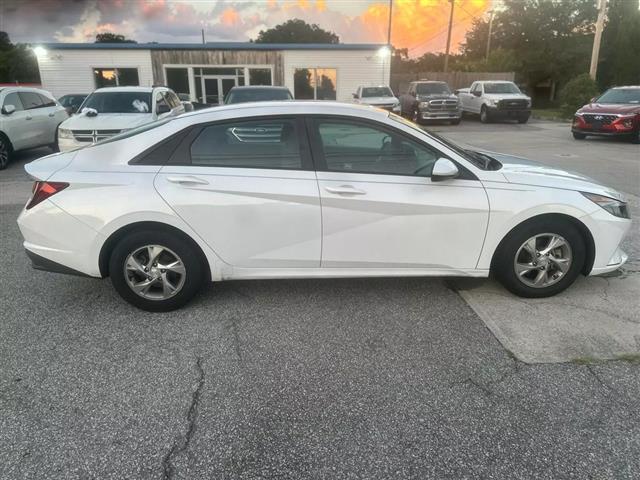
595	53
489	36
446	55
203	36
389	29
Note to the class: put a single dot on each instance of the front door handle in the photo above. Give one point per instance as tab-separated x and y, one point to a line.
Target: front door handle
52	114
187	180
345	190
28	118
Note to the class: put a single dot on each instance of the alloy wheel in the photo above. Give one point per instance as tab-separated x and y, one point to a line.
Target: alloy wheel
154	272
543	260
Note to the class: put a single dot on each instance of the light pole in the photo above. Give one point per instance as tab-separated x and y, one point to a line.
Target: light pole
446	55
595	52
490	12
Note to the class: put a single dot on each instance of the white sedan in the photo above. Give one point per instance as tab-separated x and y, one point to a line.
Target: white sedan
310	189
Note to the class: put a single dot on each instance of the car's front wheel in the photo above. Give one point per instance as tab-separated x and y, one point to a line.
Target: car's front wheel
157	271
540	258
5	152
579	136
484	115
636	137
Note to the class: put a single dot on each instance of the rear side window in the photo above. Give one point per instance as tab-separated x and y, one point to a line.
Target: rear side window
31	100
272	143
46	101
13	99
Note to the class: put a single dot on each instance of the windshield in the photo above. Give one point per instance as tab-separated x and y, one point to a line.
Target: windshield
620	95
432	88
258	95
376	92
501	88
119	102
479	160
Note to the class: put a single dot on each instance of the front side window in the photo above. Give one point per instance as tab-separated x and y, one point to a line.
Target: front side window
315	83
13	99
116	77
31	100
272	144
505	87
119	102
355	147
47	101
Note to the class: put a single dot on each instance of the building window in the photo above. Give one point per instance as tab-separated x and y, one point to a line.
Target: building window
178	80
114	77
315	83
260	76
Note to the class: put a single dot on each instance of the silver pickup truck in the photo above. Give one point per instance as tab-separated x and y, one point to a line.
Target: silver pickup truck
492	99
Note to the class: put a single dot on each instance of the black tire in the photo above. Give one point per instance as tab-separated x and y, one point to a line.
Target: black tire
485	117
54	146
505	256
579	136
6	151
456	121
191	258
635	138
523	119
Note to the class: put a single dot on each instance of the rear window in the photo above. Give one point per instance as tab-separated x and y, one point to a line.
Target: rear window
119	102
432	88
257	95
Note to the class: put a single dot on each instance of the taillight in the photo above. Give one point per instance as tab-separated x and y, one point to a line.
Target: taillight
43	190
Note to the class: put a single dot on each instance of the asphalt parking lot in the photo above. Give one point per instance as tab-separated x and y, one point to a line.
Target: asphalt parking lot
381	378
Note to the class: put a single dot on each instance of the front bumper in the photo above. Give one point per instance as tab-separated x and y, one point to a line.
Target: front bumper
602	133
66	144
440	115
509	113
608	232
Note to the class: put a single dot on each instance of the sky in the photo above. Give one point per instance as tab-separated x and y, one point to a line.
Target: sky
419	25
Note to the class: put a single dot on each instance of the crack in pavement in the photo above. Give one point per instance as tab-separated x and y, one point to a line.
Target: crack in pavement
182	443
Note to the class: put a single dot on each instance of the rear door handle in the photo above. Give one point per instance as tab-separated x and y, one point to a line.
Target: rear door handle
187	180
52	114
345	190
28	118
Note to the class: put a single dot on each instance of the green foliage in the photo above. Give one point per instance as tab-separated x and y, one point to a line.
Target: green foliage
576	93
620	52
18	64
296	31
109	37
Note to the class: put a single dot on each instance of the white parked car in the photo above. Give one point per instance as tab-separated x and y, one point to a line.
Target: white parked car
379	96
310	189
494	100
112	110
29	118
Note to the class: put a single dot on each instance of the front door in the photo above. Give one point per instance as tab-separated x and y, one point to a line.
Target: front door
380	208
248	189
216	87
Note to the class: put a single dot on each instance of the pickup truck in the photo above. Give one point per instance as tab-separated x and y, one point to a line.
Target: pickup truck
493	99
429	100
378	96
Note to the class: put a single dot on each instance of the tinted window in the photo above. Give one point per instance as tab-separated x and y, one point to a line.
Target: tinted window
253	144
119	102
501	88
376	92
432	88
46	101
13	99
244	95
362	148
30	100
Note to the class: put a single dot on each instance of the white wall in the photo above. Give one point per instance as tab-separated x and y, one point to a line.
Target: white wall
71	71
354	68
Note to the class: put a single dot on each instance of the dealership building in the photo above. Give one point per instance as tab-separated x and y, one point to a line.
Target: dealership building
206	72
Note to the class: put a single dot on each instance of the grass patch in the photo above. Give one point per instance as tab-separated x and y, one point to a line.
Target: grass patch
627	357
550	114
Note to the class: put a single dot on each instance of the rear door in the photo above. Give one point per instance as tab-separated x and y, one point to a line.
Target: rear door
380	208
247	187
55	115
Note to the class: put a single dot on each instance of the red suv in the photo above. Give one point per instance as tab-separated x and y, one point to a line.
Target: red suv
614	113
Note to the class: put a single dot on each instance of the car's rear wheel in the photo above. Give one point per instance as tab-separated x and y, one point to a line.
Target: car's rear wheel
5	152
579	136
540	258
156	271
456	121
523	119
635	138
484	115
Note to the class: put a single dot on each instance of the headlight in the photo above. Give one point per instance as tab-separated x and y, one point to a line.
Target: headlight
424	105
528	102
615	207
65	133
492	102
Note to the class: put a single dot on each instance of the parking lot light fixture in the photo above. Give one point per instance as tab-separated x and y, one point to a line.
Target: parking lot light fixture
39	51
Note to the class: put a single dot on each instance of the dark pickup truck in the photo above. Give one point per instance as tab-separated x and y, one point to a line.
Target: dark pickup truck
430	100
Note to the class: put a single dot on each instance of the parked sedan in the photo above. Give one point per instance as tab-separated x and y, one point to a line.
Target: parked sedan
615	113
29	118
310	189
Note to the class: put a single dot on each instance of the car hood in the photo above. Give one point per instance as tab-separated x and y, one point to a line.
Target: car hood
107	121
527	172
506	96
378	100
613	108
437	96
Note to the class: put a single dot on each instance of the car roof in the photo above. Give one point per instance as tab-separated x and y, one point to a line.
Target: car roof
428	81
495	81
625	86
291	107
259	87
126	89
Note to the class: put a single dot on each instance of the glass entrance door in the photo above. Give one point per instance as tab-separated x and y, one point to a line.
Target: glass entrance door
216	87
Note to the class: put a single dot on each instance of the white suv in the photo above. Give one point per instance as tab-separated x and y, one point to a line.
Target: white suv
29	118
109	111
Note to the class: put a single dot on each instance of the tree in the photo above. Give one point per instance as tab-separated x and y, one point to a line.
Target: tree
576	93
18	64
620	53
296	31
109	37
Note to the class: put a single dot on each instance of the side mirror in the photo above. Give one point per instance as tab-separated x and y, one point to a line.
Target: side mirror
162	108
444	169
8	109
477	93
188	106
593	100
354	95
